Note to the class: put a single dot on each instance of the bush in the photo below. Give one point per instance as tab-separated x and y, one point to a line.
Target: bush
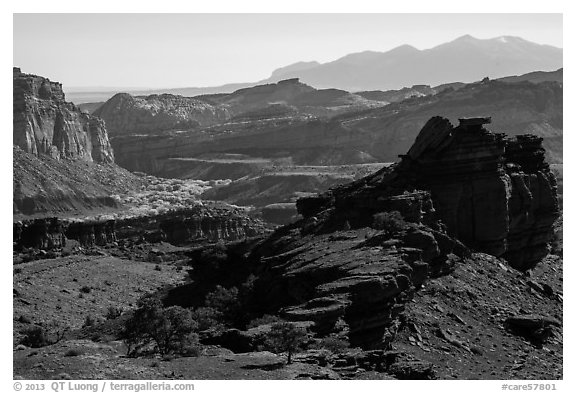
89	321
24	319
286	337
207	318
37	336
390	222
264	320
226	303
85	289
169	330
333	344
73	352
113	313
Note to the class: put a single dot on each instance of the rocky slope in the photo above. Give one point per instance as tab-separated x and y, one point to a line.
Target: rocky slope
46	186
44	123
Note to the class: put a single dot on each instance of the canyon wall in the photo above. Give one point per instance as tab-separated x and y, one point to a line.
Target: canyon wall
45	124
178	227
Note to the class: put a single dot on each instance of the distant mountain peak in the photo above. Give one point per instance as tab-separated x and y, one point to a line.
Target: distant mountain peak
465	38
403	49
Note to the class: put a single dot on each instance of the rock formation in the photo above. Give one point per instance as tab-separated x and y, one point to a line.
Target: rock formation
178	227
363	249
496	195
44	123
125	114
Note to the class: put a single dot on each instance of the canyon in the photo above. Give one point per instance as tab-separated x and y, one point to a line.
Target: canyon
392	236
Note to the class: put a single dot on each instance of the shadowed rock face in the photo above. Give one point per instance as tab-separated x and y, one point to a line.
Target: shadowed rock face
496	195
44	123
363	249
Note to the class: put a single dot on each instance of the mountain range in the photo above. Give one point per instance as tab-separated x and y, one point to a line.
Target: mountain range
466	59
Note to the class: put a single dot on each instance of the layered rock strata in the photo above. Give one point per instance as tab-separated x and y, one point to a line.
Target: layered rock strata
179	227
45	124
495	194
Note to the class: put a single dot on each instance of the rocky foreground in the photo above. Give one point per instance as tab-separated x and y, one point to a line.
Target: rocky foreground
434	267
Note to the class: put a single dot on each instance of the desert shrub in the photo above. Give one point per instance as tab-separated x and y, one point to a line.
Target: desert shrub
158	268
38	336
168	330
89	321
264	320
73	352
389	222
333	344
226	303
85	289
24	319
35	337
207	318
286	337
113	312
18	270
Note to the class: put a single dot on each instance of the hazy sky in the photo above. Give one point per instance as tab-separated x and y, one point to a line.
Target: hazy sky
185	50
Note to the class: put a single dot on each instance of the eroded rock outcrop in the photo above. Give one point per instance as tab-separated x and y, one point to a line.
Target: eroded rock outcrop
44	123
362	250
495	194
178	227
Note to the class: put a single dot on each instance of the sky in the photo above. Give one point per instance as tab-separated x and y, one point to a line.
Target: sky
197	50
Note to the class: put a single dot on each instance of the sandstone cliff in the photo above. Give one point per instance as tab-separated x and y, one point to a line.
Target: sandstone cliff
197	224
62	159
497	195
44	123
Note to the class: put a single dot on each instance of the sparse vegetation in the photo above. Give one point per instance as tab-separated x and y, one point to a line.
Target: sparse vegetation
73	352
89	321
333	344
207	318
286	337
113	312
389	222
38	336
264	320
155	328
226	304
